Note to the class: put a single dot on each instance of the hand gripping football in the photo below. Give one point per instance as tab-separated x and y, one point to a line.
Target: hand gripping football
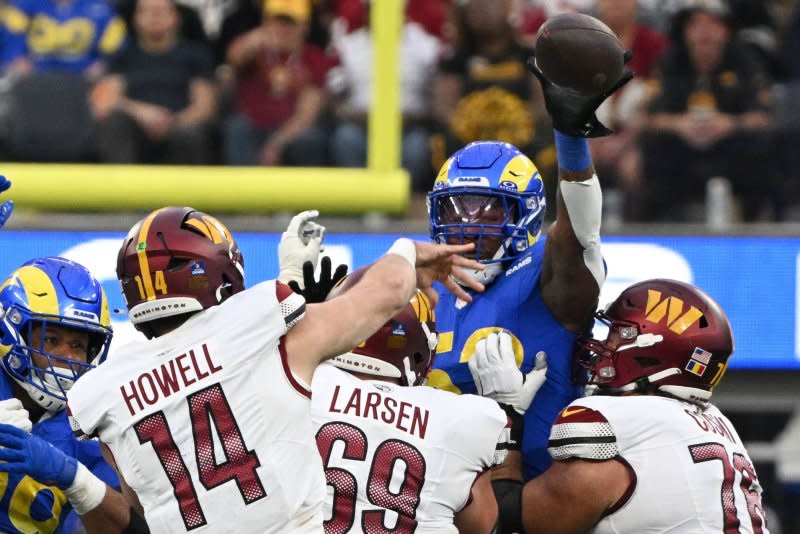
579	52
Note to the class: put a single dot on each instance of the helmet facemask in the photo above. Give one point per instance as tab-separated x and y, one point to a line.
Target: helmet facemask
46	376
490	219
54	326
491	194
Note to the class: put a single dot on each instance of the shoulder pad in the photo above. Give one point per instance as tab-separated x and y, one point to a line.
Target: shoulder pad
581	432
293	306
77	431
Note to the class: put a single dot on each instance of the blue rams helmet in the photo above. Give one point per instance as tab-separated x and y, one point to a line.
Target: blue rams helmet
45	293
491	194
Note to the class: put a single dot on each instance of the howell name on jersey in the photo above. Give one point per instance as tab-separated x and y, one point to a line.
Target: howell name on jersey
168	378
402	415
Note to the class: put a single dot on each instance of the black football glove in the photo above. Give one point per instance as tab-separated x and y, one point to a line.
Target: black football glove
572	112
317	291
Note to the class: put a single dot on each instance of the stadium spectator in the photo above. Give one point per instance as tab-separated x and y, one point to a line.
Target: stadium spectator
246	16
483	90
191	27
647	451
617	157
708	117
54	328
757	29
159	99
279	94
252	348
541	289
72	36
350	83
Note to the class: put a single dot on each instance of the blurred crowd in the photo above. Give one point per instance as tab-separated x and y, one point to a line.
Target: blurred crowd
287	82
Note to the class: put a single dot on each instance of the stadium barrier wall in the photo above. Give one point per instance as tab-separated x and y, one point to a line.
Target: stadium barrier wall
755	279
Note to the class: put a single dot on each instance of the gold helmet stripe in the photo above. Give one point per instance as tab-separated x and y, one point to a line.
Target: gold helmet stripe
201	227
141	253
39	289
105	316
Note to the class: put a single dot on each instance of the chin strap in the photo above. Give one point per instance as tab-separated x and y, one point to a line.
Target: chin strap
643	384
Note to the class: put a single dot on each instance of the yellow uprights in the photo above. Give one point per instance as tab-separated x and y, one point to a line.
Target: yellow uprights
386	19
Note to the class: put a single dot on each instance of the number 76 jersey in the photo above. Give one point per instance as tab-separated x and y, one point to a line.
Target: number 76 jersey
400	459
691	473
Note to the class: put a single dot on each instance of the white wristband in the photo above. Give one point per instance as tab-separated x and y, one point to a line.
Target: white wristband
406	249
86	492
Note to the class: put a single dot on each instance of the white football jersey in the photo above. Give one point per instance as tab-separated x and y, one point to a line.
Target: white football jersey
692	473
208	424
396	457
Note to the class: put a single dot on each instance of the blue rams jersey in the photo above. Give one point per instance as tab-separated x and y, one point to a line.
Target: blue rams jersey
512	303
68	36
28	506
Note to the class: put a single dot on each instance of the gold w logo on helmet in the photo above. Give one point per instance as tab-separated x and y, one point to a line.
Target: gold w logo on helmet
672	309
211	228
422	307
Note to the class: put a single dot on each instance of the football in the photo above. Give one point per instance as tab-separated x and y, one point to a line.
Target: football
579	52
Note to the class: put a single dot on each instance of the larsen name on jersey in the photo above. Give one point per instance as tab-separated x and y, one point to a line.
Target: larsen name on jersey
399	414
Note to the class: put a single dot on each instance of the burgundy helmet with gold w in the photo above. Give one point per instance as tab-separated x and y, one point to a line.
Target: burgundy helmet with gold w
663	335
177	260
402	348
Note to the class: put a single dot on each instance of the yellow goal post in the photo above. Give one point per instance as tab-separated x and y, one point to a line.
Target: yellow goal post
383	186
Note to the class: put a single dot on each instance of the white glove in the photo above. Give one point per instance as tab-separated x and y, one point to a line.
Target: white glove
301	242
496	375
12	413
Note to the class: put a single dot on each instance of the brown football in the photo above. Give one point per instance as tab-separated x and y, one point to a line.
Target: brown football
580	52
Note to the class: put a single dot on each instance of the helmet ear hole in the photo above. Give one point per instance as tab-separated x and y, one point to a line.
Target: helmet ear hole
703	322
226	289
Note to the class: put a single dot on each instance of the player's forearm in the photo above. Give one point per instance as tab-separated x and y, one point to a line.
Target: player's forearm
384	289
574	158
389	285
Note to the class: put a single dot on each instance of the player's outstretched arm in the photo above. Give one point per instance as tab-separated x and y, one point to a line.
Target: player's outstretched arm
102	509
8	206
333	327
573	270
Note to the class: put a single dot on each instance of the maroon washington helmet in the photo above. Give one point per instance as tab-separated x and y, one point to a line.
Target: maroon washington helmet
175	261
663	335
402	348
